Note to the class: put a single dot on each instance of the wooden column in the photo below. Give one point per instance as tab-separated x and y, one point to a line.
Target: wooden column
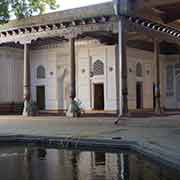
121	82
73	69
117	64
71	109
123	166
26	79
157	76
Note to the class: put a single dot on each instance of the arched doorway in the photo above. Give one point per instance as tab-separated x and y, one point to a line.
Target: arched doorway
98	74
40	89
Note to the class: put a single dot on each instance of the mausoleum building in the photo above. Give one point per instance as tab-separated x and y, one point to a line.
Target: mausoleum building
95	54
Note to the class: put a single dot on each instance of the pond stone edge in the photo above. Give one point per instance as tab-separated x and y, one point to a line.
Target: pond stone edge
152	152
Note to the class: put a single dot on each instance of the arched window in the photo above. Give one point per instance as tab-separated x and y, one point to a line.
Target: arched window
98	67
139	70
41	73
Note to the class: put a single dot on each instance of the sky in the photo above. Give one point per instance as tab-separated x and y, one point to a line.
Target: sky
69	4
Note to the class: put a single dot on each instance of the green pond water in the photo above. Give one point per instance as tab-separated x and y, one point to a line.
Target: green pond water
37	163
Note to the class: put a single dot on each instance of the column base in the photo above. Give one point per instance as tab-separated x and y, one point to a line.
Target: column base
26	108
122	117
158	108
73	110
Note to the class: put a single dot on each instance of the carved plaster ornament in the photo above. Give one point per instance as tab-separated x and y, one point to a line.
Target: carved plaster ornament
54	27
83	71
40	29
93	21
33	30
47	28
130	69
3	34
72	31
58	67
24	41
110	69
148	72
73	23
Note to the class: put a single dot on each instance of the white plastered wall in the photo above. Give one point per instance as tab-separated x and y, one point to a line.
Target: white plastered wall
56	61
87	53
47	59
135	56
170	102
11	75
147	60
63	76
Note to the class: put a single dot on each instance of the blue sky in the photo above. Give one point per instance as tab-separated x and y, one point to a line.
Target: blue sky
68	4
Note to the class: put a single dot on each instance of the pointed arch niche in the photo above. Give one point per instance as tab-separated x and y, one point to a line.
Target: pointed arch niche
41	72
98	67
139	70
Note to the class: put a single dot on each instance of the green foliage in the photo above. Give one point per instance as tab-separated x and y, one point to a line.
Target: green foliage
24	8
32	108
77	108
4	11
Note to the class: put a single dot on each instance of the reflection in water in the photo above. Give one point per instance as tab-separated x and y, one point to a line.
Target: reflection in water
74	160
41	153
100	158
17	163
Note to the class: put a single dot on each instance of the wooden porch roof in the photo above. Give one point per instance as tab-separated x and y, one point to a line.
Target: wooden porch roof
162	17
104	9
166	12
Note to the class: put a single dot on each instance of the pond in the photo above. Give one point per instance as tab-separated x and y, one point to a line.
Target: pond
39	163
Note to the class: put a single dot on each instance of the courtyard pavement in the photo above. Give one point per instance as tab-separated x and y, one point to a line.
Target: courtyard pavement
161	132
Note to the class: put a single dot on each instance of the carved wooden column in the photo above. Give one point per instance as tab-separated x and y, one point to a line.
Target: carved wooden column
121	82
26	79
157	76
73	68
71	109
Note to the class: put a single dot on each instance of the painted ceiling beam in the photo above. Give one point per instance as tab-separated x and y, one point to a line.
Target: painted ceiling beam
130	7
154	3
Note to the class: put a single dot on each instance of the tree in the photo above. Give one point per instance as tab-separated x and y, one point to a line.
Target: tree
4	11
24	8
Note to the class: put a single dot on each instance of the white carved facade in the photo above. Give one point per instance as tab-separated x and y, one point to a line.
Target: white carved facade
97	77
55	60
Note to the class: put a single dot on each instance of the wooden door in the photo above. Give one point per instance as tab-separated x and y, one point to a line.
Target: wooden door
40	96
139	95
99	96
